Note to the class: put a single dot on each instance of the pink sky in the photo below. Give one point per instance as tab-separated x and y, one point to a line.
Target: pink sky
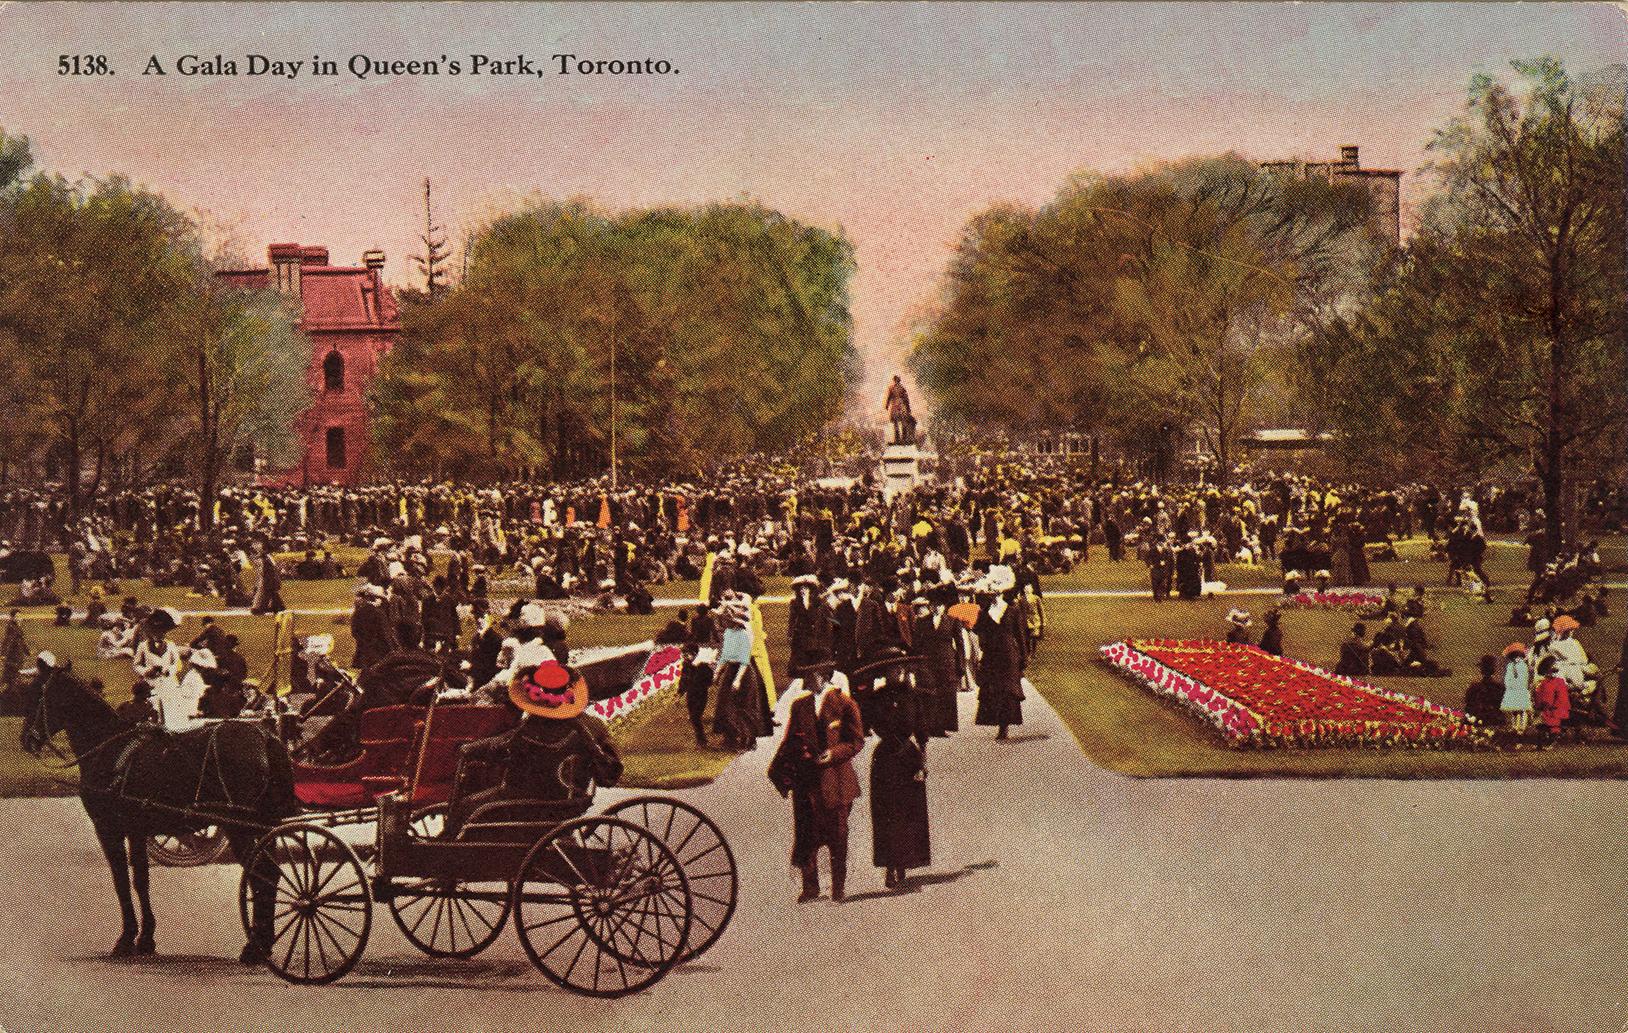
893	122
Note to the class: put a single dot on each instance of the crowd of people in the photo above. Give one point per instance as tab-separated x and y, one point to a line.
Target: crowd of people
899	603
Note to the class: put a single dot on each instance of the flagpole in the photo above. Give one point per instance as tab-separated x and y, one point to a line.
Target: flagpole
613	413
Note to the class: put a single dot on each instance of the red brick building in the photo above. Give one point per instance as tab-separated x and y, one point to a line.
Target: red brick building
350	319
1384	186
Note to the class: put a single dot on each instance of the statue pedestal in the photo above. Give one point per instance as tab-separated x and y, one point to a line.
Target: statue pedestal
901	470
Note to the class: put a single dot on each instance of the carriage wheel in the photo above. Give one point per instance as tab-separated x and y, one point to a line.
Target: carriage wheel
708	862
429	823
189	849
440	918
602	907
323	910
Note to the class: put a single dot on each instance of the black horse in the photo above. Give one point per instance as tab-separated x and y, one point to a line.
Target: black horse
141	781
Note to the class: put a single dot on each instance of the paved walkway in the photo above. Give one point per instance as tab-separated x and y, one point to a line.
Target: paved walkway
1062	898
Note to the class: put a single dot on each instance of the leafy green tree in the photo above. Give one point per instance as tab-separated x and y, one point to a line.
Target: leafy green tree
1499	337
239	371
1135	305
94	279
724	329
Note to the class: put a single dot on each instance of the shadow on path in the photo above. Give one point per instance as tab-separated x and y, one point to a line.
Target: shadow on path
915	883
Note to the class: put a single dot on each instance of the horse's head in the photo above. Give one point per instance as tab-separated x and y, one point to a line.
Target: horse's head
39	724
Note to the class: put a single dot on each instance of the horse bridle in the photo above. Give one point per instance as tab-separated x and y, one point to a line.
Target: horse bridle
41	725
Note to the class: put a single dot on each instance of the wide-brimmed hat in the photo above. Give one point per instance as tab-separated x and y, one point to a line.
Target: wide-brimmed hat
966	613
999	579
532	615
818	660
1541	626
552	690
1240	618
1514	647
1564	623
166	617
805	579
381	543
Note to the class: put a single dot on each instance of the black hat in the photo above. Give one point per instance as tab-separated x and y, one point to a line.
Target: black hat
819	660
888	658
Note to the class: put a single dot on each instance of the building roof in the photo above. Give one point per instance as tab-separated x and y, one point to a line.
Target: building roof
339	298
333	298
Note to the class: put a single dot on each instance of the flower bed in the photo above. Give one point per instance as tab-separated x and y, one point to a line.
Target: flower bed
661	671
1256	699
1333	599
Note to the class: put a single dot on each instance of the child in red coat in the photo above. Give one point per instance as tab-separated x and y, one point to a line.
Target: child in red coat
1551	698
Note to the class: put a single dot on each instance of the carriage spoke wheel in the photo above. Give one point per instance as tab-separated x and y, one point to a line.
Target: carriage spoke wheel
442	919
602	907
188	849
701	849
323	908
429	822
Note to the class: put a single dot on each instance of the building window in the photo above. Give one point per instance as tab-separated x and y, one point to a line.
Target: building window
336	448
333	372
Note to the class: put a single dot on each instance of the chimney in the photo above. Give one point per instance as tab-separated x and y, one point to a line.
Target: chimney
374	261
313	256
1348	155
285	266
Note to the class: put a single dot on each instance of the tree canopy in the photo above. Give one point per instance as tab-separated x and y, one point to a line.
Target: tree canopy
1134	305
727	326
1498	339
109	317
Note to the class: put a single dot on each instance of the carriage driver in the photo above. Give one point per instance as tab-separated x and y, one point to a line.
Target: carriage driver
551	755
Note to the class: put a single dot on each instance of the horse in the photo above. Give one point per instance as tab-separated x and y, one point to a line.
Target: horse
137	781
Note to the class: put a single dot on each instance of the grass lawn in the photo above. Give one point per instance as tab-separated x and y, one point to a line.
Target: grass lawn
658	747
1119	725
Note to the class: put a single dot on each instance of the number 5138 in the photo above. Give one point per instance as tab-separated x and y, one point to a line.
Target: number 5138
83	64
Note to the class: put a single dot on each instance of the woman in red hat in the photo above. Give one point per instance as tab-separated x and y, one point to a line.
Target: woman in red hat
556	753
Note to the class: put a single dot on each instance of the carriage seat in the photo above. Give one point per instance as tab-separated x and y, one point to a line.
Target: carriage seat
520	821
387	737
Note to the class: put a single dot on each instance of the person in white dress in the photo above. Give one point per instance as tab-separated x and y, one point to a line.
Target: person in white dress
157	661
521	652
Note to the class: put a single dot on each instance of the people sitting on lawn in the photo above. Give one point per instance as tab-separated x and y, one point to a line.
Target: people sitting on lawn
1355	653
1272	633
1238	623
37	591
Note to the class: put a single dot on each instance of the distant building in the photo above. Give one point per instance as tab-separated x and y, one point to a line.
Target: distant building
1383	185
350	320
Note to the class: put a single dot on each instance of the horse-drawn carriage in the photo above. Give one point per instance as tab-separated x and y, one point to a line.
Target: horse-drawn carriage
399	747
603	905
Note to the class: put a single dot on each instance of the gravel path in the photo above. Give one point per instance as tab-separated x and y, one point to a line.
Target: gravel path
1062	897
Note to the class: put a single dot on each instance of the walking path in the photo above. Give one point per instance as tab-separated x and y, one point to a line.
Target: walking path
1062	897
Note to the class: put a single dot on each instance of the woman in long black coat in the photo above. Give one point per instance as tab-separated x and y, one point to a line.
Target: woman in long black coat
1189	571
899	831
1000	671
936	638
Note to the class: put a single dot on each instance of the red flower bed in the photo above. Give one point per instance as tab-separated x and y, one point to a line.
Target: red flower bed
1255	698
1333	599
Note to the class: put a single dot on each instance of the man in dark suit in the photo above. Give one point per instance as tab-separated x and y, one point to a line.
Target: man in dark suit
809	627
814	765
